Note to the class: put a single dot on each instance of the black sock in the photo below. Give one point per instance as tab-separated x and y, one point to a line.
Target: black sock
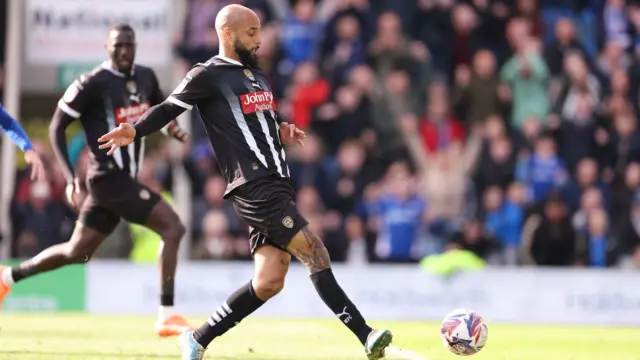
166	293
335	298
20	273
237	307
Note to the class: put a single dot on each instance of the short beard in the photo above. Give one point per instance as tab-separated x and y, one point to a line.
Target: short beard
245	55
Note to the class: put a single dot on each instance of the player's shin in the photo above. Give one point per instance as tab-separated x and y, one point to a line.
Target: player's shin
239	305
310	250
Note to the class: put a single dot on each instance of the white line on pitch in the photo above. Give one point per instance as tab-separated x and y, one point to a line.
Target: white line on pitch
404	354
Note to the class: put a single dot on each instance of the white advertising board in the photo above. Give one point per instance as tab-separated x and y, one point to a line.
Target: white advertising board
75	31
384	292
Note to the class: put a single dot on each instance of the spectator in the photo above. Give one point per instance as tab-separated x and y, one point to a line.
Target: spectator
543	171
586	176
600	250
527	75
439	128
400	213
478	94
474	239
565	42
300	36
348	50
308	92
549	238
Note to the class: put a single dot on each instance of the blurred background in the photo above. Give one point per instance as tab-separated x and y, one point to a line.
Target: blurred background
505	129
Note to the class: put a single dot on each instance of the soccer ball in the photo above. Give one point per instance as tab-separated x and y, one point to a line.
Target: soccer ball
464	332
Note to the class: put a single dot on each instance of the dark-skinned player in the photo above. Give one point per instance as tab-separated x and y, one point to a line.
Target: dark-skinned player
239	113
116	92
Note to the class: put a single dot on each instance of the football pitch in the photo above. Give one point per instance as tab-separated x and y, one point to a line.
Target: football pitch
79	336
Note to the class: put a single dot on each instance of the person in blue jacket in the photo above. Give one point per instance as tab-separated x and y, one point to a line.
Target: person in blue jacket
14	131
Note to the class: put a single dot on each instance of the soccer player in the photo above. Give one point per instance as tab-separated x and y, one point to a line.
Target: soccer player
237	106
116	92
14	131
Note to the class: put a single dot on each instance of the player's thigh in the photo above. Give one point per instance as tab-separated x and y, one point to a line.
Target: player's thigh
164	220
94	224
125	197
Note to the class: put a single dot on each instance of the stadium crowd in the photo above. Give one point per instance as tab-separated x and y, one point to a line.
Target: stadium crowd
506	128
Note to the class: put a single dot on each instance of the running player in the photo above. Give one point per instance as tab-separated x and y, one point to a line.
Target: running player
238	110
116	92
14	131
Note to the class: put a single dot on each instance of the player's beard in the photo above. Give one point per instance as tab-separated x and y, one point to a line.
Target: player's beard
247	56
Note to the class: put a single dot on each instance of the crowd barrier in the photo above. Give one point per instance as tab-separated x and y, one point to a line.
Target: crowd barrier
398	292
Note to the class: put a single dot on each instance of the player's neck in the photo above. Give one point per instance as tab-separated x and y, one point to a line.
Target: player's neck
110	64
229	54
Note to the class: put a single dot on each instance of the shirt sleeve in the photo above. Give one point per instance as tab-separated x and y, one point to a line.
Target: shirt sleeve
194	88
14	131
77	97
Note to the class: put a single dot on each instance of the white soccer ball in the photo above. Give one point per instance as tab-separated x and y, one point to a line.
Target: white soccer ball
464	332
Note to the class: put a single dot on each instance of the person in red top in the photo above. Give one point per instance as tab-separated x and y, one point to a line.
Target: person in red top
438	127
308	92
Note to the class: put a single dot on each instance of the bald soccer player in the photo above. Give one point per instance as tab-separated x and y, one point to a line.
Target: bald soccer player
239	113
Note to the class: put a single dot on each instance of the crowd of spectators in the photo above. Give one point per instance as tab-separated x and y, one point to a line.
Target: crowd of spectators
506	128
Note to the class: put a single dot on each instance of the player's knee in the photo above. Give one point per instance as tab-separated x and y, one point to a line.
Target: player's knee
175	232
267	287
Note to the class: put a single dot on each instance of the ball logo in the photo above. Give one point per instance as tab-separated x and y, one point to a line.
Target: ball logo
257	101
287	222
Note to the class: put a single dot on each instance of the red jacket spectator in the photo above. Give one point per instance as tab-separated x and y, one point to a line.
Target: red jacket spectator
439	135
305	98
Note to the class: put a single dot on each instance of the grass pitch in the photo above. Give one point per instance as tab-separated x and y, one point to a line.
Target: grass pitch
88	337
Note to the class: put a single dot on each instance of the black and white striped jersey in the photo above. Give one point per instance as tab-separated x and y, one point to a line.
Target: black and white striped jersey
104	98
240	116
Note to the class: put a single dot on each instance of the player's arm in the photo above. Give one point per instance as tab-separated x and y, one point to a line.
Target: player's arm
173	128
194	88
75	100
14	131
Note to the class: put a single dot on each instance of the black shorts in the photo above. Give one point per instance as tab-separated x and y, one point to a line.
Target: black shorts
114	196
268	206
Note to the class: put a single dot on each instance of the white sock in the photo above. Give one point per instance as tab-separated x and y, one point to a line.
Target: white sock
165	312
7	277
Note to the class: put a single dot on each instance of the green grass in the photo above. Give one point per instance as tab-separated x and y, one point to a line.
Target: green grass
84	337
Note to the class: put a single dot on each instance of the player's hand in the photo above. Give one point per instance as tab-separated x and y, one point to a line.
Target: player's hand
123	135
289	133
71	192
176	132
37	167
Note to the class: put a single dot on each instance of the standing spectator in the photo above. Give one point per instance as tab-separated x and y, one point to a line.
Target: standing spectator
528	76
478	94
307	92
565	41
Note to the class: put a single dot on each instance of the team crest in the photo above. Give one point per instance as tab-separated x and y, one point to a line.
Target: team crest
287	222
132	87
249	74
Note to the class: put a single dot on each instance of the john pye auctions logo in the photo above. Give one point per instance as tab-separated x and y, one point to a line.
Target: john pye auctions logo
257	101
131	114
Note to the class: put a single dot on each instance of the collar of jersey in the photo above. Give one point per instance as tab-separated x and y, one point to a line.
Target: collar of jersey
231	61
105	65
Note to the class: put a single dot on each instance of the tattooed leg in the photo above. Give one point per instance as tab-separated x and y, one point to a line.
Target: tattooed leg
309	249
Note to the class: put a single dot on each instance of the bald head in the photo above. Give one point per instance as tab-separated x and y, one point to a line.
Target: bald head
238	29
234	17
